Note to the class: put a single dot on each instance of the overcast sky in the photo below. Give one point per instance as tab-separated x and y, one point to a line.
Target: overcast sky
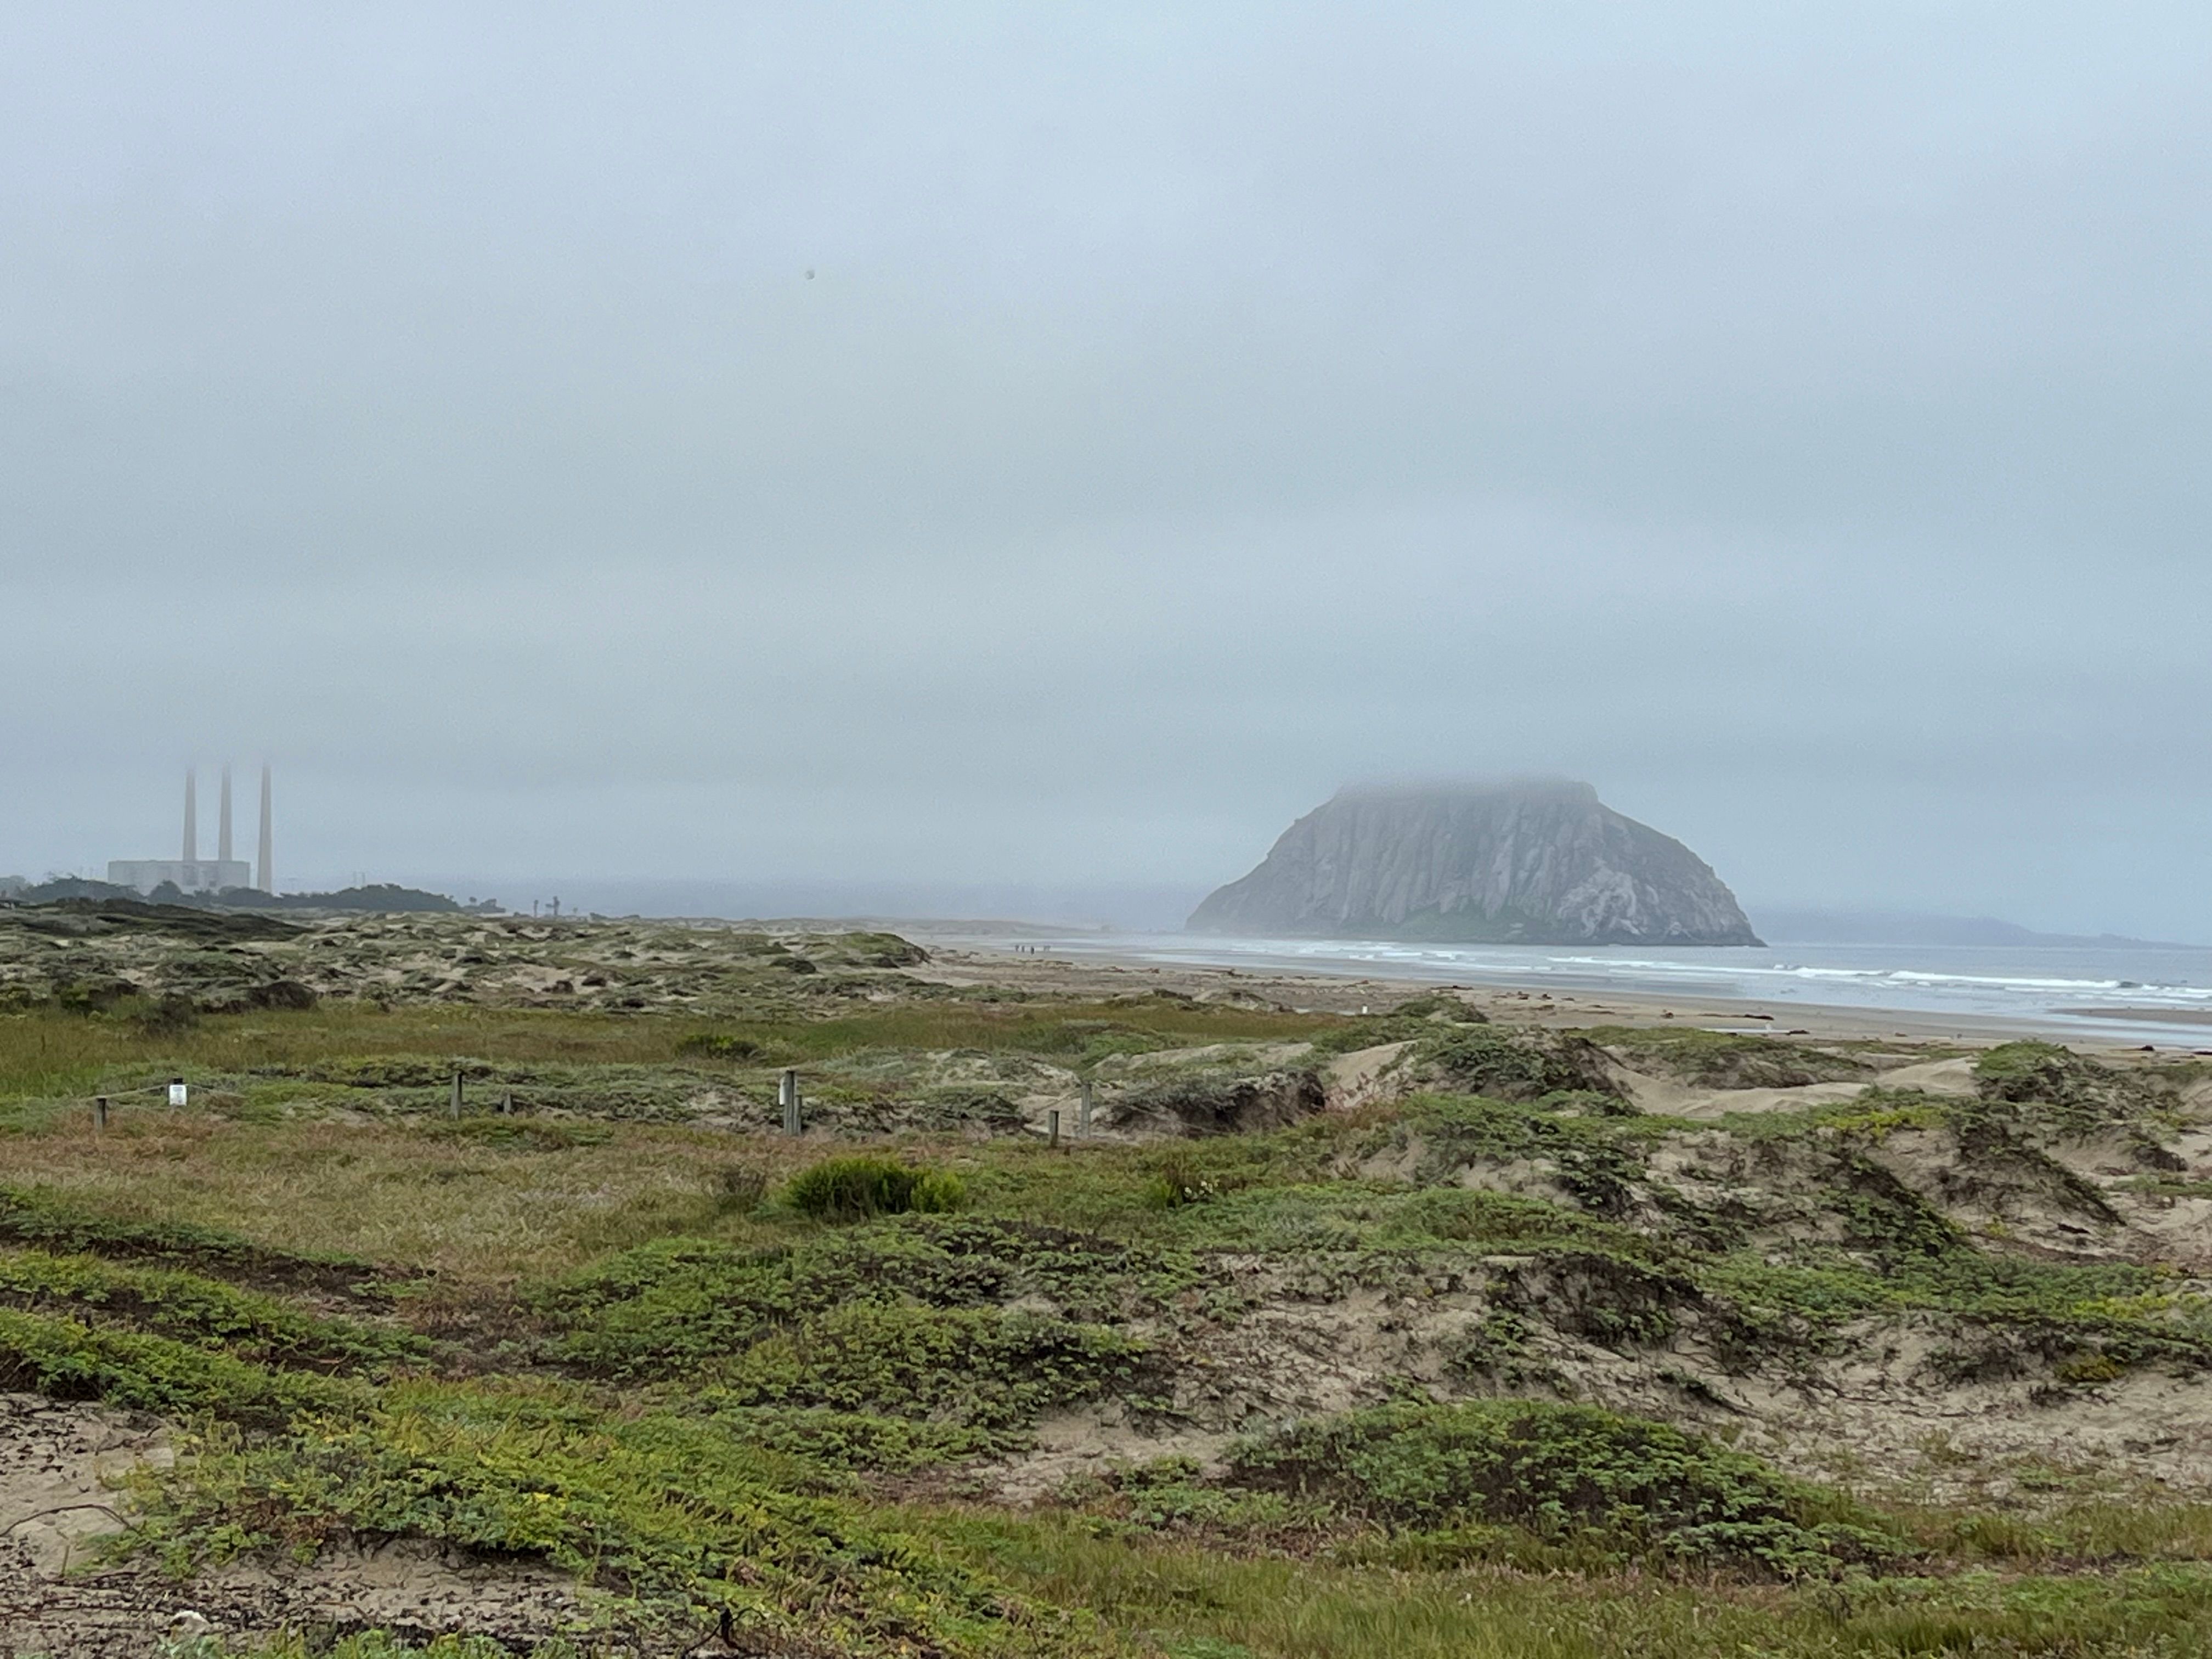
967	446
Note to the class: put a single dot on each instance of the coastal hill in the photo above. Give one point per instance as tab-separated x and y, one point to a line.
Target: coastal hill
382	896
1539	862
1910	927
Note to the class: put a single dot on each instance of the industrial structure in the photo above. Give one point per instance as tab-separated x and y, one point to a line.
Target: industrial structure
193	874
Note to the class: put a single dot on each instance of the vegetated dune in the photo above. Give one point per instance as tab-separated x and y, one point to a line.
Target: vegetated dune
1688	1322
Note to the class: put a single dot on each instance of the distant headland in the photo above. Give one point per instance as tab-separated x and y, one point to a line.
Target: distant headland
1521	862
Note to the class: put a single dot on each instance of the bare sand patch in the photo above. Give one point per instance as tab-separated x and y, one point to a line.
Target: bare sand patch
1361	1078
1670	1097
62	1470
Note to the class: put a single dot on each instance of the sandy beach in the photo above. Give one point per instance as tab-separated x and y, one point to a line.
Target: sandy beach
959	958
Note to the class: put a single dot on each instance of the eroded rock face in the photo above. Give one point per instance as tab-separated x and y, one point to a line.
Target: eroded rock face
1522	863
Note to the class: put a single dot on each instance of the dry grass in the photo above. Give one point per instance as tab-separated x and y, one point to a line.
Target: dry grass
49	1054
46	1053
1201	1602
396	1192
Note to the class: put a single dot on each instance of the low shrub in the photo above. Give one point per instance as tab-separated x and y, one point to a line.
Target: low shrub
1221	1101
1560	1472
876	950
1439	1005
687	1523
676	1303
2033	1070
739	1186
167	1015
1600	1157
206	1313
1727	1060
1604	1298
662	1306
985	1368
65	1360
845	1442
2041	1085
93	995
1178	1179
858	1188
1172	1494
719	1045
1506	1064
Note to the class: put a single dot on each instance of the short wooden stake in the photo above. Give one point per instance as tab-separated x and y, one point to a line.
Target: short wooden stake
1083	1113
1052	1126
99	1112
786	1096
456	1108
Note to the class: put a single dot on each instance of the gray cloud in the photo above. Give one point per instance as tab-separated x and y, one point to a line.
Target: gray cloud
1790	420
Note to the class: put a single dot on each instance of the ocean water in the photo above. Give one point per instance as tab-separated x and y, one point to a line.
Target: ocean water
2126	993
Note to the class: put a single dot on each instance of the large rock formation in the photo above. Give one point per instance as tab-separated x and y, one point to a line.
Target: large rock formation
1524	863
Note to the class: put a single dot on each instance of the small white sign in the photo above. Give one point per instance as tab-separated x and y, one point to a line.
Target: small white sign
176	1094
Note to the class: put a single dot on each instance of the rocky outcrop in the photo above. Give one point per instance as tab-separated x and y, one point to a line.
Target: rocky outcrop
1541	863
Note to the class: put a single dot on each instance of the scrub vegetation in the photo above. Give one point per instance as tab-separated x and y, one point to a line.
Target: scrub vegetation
1413	1333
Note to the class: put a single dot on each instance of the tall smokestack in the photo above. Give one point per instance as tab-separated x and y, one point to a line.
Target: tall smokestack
222	823
191	817
267	881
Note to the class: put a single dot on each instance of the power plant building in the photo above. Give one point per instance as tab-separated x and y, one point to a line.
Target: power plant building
191	873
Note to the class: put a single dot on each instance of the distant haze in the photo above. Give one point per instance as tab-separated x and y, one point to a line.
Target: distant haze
960	451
